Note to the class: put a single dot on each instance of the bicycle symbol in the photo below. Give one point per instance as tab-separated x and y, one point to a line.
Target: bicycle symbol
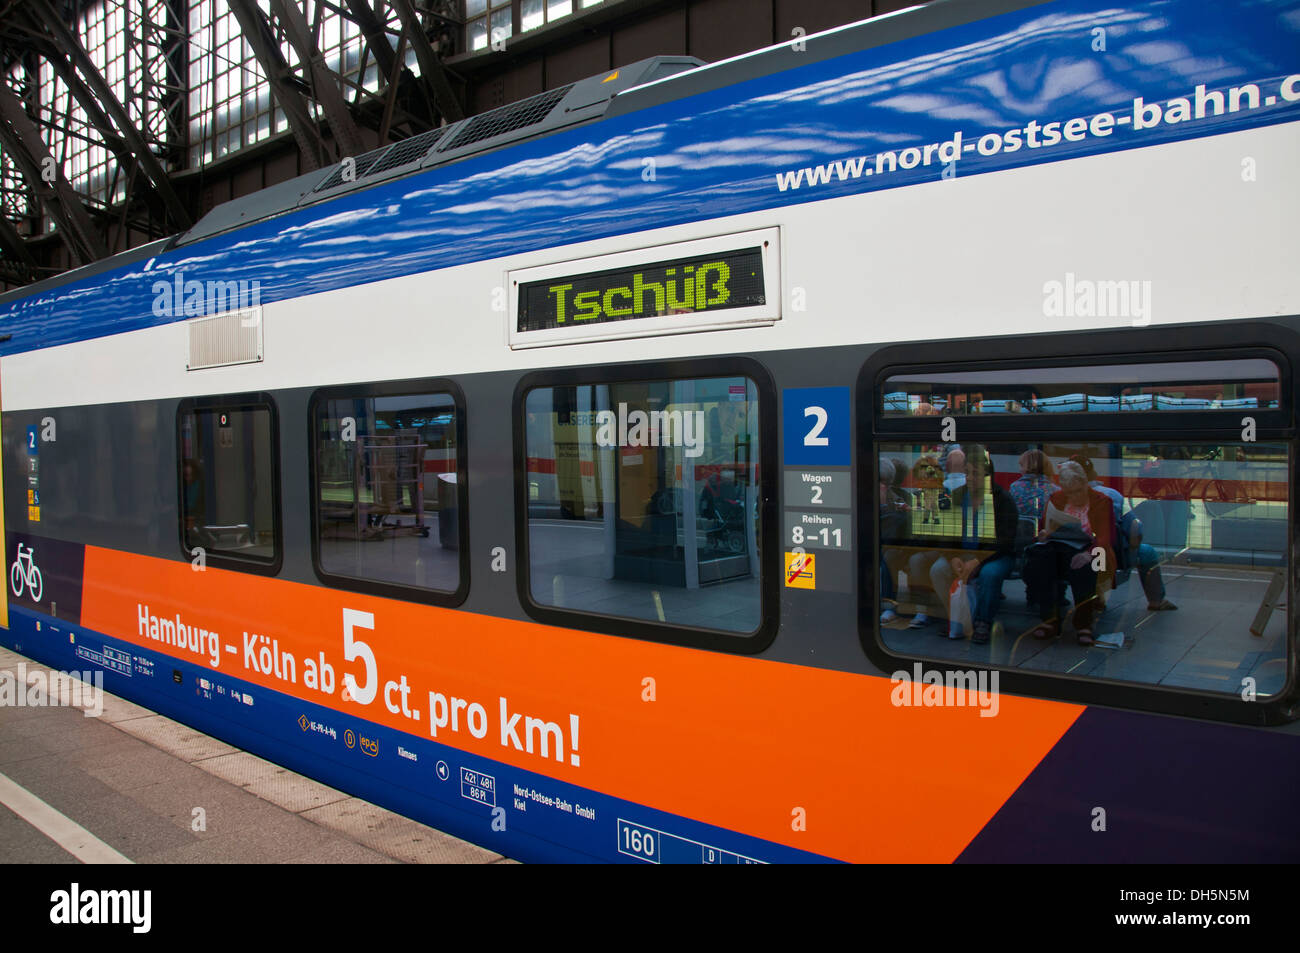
30	577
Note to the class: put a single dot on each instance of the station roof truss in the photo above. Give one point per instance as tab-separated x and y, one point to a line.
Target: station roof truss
111	111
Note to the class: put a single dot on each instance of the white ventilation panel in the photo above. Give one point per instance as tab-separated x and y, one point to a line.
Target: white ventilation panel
225	339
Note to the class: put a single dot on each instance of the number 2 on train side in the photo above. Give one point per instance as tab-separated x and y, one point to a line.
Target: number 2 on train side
816	424
814	436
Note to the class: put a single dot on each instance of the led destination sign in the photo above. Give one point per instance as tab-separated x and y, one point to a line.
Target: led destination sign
685	286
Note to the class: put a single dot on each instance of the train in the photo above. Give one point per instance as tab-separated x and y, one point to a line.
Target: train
878	447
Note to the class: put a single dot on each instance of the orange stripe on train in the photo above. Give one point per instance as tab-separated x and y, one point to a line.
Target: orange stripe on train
732	741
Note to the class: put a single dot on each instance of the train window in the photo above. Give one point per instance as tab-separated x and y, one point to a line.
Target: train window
388	491
1153	553
230	481
643	502
1035	547
1232	385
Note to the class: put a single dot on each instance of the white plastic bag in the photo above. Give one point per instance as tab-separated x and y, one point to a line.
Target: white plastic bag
961	605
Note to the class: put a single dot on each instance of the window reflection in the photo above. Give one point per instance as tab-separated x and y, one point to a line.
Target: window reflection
387	505
1246	384
228	482
643	501
1159	563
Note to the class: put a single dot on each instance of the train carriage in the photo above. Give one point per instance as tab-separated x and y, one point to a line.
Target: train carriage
666	468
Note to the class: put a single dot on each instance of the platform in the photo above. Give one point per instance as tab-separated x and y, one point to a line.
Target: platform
124	787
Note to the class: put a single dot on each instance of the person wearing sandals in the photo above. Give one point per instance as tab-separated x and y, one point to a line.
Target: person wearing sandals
1136	553
1080	520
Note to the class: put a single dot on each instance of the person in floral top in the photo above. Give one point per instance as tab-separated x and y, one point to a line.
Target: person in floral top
1035	485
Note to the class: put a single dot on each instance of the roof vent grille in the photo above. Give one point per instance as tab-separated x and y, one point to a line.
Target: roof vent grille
380	160
408	150
362	166
526	112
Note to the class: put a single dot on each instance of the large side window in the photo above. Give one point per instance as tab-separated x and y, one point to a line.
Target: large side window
387	489
1121	524
230	481
643	503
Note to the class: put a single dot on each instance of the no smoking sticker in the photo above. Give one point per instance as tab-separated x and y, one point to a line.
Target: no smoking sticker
800	571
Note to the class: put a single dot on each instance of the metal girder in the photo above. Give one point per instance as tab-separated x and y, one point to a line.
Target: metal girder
401	83
373	30
113	141
23	141
168	82
330	89
390	97
14	245
257	31
66	39
326	89
431	70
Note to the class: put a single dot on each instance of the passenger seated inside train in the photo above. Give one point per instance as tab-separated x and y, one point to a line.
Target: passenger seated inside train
1076	548
1131	551
1200	523
1035	485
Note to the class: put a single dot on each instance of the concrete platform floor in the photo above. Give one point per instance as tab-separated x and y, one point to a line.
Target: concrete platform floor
128	782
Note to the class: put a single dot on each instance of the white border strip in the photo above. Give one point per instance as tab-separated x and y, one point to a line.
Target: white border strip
695	71
58	827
